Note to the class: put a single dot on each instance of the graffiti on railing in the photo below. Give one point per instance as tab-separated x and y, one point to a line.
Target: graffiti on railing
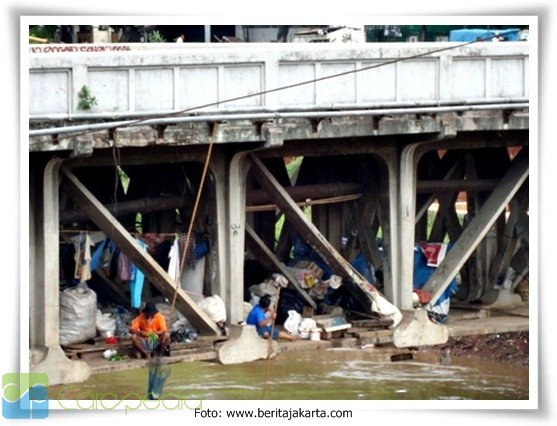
80	48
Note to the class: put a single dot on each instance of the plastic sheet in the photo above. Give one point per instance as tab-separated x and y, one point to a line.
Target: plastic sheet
78	315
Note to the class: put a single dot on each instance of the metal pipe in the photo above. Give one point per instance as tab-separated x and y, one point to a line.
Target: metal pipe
269	116
232	110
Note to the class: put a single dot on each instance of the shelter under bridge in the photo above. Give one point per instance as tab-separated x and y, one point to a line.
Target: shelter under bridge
400	144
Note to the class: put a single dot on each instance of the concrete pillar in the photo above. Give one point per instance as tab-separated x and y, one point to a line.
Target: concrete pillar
45	355
207	33
220	268
407	223
393	288
235	223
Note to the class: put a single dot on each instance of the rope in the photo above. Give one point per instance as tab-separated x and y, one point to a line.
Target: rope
194	213
265	382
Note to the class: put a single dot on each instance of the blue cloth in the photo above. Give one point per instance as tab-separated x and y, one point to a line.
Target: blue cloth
472	34
136	283
422	272
97	254
361	265
256	315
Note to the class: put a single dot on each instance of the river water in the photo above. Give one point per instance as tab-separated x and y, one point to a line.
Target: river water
332	374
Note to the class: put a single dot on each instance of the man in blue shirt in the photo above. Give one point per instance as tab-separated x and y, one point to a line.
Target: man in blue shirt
261	316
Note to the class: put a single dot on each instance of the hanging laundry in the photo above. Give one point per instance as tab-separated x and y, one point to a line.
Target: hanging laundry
106	258
137	279
174	264
82	257
124	267
191	257
97	254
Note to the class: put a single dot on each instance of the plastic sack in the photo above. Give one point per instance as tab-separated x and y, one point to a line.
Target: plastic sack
292	323
306	326
214	307
106	325
78	315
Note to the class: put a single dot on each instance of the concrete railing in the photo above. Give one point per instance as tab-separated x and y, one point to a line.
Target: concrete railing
151	79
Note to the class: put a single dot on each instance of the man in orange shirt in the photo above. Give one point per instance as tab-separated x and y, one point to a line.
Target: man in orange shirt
149	332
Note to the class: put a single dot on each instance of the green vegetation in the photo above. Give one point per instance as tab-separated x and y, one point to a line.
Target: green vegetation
86	99
156	37
42	31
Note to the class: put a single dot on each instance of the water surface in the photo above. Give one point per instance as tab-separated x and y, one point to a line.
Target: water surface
332	374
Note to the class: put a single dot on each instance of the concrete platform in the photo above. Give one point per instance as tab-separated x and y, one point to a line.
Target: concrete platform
463	321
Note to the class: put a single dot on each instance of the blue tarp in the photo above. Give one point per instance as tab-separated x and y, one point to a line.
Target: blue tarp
422	272
473	34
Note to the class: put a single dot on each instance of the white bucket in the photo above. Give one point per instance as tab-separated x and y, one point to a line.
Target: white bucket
315	334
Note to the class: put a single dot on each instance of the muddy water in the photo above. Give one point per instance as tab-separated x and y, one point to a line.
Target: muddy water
334	374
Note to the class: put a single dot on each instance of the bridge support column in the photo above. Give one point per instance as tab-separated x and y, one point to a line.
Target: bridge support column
46	355
236	224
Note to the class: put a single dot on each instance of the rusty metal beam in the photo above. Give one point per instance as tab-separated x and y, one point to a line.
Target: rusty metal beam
126	243
478	227
142	205
446	185
304	192
260	249
366	293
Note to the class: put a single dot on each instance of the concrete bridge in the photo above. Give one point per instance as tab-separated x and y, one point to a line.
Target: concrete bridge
386	132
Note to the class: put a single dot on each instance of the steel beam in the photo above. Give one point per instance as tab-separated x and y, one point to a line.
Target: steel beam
263	251
478	227
372	300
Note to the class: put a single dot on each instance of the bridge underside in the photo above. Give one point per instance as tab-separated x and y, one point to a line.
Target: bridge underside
371	186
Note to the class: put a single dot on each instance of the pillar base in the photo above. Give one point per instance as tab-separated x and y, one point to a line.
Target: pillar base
502	298
245	345
59	368
416	329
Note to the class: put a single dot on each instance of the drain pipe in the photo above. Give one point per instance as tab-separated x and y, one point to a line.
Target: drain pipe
258	109
271	116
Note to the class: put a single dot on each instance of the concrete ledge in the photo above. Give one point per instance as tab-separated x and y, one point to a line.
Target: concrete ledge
416	329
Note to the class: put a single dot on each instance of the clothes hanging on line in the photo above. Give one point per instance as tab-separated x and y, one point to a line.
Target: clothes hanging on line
174	263
137	279
82	257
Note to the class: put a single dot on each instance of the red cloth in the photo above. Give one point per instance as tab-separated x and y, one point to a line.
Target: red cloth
423	296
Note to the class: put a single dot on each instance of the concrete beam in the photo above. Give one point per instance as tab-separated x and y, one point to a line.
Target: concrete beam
125	242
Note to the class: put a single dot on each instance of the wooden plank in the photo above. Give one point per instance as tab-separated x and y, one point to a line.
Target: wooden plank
372	323
374	334
141	258
264	251
332	328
